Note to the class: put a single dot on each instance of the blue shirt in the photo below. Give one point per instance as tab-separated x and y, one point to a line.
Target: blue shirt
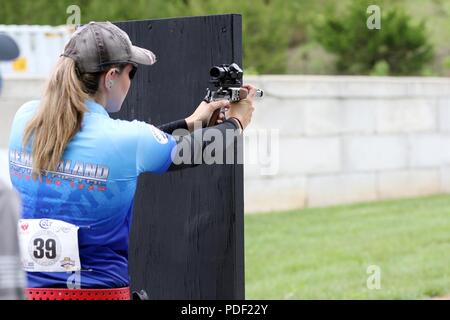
92	188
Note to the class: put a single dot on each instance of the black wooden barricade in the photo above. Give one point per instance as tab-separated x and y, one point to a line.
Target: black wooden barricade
187	239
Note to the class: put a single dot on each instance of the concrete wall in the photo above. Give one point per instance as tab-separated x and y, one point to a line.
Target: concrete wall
15	92
350	139
332	140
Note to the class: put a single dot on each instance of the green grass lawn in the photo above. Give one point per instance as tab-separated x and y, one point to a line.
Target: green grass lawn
324	253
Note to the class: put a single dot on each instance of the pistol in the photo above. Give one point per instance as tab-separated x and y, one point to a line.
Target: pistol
227	82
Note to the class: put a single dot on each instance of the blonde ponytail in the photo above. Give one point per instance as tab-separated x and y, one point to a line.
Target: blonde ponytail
58	118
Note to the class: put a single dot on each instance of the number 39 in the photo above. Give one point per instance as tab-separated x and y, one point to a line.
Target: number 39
45	248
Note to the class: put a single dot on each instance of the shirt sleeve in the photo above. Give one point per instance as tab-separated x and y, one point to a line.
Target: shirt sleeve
155	149
174	125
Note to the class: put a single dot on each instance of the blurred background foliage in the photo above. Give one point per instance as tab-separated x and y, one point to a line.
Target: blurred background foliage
291	36
399	47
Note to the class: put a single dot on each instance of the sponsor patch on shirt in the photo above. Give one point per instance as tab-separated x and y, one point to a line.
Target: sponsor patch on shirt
159	135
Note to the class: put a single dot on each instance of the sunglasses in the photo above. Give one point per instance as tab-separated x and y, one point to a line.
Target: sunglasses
132	72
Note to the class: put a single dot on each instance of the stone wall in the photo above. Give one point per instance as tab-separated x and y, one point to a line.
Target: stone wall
350	139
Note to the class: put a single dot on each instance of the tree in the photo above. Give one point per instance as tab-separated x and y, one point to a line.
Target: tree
400	47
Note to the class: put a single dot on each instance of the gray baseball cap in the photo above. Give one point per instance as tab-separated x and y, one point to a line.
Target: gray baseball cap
8	48
97	45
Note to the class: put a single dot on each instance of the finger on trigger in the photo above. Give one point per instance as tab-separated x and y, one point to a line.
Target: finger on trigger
219	104
223	103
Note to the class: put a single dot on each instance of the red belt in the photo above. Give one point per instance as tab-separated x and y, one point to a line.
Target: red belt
78	294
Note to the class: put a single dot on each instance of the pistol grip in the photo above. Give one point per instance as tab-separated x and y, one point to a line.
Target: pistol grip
214	117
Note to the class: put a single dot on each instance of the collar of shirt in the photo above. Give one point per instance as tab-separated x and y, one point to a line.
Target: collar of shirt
94	107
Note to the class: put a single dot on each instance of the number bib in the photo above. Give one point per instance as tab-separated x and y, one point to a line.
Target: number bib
49	245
